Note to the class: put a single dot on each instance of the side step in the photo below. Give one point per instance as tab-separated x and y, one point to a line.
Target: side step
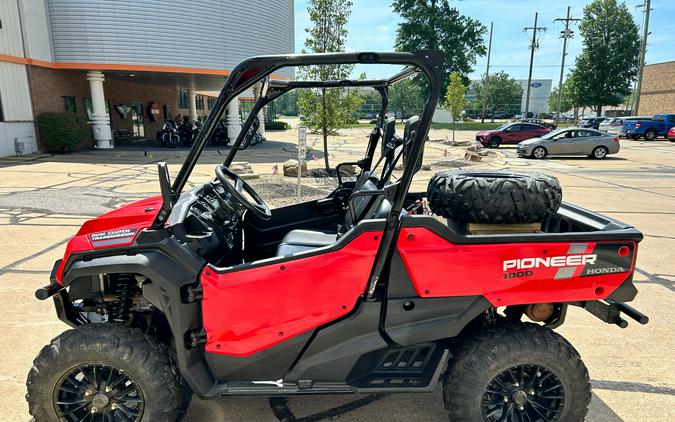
401	370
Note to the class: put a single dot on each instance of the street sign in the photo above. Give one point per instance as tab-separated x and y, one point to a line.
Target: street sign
302	152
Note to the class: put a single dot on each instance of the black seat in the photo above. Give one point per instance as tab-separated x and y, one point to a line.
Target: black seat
364	206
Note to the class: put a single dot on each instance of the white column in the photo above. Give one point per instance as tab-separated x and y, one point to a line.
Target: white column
233	120
100	119
192	105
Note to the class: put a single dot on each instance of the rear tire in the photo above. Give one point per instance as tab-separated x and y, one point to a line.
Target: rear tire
79	364
599	153
494	197
508	369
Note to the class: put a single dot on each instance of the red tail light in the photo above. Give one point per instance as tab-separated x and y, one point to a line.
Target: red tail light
637	125
616	139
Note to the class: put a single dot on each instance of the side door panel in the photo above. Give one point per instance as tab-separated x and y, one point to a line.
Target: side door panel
248	310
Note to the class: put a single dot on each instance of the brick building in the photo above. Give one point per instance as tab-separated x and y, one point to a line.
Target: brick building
658	89
125	66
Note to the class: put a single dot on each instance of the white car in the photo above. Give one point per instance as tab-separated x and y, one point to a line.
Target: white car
613	126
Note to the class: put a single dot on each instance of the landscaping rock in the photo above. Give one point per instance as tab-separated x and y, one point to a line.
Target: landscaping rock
291	168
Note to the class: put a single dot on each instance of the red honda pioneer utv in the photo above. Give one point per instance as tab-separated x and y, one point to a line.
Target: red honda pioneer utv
210	291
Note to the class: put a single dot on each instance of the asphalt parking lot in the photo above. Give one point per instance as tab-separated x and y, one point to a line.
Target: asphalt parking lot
43	201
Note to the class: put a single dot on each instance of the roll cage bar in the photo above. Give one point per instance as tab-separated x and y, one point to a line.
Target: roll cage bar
256	69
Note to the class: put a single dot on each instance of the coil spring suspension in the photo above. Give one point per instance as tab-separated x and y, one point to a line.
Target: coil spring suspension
119	312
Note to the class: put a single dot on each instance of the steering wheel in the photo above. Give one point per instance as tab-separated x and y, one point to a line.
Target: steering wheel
236	186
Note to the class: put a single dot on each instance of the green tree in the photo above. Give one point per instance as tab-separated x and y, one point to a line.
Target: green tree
608	63
434	24
327	109
503	93
287	104
454	99
406	98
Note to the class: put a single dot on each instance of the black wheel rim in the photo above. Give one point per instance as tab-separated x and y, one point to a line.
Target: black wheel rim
98	393
524	393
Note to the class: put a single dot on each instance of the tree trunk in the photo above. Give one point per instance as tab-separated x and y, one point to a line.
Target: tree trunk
454	126
325	148
598	111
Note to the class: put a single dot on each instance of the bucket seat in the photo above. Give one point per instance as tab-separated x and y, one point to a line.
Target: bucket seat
364	206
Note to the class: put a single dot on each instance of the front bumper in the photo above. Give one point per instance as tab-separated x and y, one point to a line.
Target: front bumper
524	151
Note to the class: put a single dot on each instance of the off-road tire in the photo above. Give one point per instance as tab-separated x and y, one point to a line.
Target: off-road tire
483	355
494	197
146	361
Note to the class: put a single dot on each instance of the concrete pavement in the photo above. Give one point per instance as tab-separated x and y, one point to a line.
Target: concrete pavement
44	199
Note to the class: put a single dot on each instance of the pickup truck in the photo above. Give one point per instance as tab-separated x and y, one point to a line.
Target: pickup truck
659	125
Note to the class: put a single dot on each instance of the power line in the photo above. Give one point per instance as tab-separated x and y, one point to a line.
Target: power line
533	46
565	34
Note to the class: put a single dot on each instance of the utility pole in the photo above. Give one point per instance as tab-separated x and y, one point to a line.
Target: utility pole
535	44
643	48
567	33
487	73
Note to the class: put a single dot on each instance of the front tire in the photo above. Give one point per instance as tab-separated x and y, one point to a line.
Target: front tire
107	371
539	153
650	135
494	142
515	371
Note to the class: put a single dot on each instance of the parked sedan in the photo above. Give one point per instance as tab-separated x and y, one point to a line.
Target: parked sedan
547	123
671	134
510	133
573	141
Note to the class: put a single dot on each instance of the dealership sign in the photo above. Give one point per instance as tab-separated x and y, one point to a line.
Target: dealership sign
535	85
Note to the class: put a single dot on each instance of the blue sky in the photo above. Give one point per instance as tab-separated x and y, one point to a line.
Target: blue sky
373	24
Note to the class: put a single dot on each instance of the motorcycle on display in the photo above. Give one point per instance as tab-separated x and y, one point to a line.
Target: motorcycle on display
220	134
188	132
253	137
168	136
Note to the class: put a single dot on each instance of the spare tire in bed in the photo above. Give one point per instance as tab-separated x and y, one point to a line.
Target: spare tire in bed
494	197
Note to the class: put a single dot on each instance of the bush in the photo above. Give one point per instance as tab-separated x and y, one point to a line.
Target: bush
61	132
277	125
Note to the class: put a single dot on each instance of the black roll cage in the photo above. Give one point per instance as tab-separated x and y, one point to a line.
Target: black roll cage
257	69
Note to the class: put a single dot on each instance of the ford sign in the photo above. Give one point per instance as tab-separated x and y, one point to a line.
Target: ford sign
535	85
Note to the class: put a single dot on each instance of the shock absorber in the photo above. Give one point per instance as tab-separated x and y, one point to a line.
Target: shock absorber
121	284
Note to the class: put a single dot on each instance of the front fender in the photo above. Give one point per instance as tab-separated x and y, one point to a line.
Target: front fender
170	268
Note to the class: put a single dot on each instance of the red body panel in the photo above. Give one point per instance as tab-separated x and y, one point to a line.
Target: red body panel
250	310
439	268
128	219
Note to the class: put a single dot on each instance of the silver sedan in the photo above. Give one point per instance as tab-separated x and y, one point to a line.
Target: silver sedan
570	141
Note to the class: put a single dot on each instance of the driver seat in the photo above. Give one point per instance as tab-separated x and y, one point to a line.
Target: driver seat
365	207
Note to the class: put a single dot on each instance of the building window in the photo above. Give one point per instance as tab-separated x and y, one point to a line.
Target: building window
210	101
199	99
69	104
182	99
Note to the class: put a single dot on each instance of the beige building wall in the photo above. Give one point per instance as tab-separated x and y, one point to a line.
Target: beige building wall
658	89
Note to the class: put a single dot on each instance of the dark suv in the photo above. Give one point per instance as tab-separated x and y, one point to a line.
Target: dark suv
591	122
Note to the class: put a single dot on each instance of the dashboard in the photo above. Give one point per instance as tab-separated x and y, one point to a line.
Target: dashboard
209	221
